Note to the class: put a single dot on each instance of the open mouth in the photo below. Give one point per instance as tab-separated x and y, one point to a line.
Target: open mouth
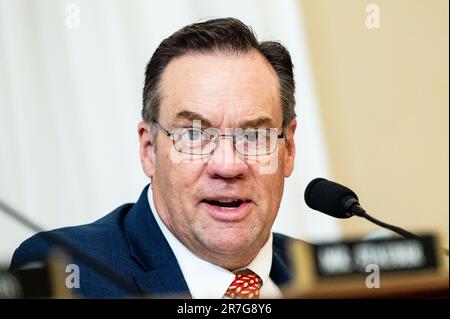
227	209
226	203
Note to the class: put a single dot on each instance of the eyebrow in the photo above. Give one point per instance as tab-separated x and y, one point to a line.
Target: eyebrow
193	116
260	121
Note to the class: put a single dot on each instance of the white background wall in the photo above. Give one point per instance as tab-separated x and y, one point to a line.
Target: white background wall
70	101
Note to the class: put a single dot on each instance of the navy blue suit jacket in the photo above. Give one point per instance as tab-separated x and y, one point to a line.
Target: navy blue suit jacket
129	241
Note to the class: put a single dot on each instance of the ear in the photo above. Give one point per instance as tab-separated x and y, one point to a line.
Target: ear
146	149
289	150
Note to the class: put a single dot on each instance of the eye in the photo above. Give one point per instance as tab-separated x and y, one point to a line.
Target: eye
192	134
251	137
255	136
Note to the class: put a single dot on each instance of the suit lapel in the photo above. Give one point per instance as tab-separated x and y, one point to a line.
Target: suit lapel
167	281
161	274
281	272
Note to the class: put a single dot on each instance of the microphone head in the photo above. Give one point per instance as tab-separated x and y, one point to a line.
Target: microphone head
329	197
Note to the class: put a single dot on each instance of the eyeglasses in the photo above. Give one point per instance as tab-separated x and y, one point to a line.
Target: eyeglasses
202	141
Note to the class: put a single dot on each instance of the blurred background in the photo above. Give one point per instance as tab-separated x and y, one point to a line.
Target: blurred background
372	106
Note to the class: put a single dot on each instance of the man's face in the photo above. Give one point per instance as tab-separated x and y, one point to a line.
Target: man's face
224	92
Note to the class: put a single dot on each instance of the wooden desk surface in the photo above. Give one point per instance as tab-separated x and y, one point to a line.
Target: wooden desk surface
395	287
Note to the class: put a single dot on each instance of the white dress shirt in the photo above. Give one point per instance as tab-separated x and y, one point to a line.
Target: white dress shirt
207	280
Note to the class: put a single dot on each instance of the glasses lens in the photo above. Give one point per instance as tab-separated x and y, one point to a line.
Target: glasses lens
256	142
193	141
248	142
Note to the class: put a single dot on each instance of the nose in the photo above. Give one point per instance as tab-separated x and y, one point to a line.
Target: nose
225	162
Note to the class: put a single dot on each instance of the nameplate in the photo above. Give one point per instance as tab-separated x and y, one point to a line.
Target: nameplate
331	268
387	255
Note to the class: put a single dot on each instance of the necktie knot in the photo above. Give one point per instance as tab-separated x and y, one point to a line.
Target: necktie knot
246	285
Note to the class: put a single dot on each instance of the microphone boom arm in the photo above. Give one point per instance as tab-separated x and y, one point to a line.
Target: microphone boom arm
357	210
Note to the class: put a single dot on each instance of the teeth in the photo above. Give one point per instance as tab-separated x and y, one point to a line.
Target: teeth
227	200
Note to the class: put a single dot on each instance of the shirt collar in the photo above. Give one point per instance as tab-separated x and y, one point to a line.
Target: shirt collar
204	279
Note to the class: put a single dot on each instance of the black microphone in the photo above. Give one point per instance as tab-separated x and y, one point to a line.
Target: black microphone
341	202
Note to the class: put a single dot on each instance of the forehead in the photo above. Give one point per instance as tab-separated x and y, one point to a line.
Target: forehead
220	87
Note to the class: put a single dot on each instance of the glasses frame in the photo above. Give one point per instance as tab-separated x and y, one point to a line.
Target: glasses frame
170	134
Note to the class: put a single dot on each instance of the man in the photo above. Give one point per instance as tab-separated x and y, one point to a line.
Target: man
217	142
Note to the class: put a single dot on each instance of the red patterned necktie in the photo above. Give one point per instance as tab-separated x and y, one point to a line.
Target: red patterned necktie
246	285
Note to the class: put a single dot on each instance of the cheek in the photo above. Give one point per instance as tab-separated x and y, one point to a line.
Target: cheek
273	191
177	179
271	186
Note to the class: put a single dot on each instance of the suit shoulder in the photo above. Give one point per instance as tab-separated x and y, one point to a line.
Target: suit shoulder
281	244
282	240
91	236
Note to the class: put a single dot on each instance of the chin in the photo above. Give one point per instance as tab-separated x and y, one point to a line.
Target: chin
231	240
